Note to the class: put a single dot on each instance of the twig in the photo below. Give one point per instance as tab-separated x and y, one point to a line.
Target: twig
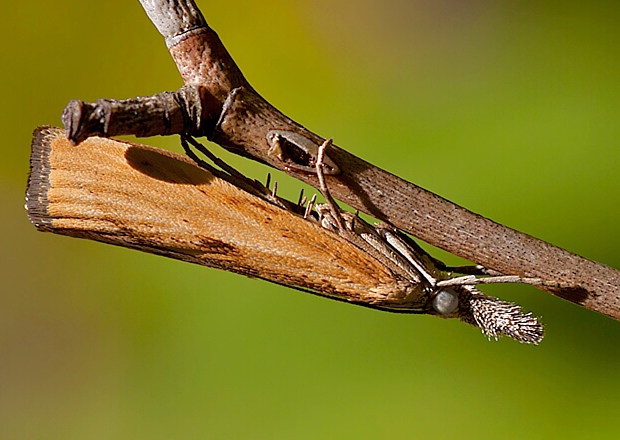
219	103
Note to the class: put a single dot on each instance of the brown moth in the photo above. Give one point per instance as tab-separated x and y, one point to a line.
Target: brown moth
160	202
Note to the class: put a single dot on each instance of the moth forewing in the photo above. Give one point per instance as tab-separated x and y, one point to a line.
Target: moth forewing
161	202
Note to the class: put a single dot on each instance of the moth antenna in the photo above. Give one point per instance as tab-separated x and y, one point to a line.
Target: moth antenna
268	181
496	317
310	206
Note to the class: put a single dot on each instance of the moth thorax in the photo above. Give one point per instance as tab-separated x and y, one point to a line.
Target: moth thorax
446	301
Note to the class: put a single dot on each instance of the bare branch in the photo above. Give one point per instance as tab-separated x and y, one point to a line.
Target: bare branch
243	125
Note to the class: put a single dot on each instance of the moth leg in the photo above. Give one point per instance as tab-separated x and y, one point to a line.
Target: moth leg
212	157
232	175
237	177
329	200
193	156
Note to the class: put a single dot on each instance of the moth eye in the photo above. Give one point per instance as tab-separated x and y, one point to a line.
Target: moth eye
446	301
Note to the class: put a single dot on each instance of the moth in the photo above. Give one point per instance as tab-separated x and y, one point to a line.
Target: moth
182	207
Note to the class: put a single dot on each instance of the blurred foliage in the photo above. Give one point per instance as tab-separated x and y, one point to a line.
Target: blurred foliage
507	108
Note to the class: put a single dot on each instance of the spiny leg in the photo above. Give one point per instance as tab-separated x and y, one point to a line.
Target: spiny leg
310	206
329	200
274	191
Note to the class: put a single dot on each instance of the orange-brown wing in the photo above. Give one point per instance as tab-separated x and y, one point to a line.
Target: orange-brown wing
160	202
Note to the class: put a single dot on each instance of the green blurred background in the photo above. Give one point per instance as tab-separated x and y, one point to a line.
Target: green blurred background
508	108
